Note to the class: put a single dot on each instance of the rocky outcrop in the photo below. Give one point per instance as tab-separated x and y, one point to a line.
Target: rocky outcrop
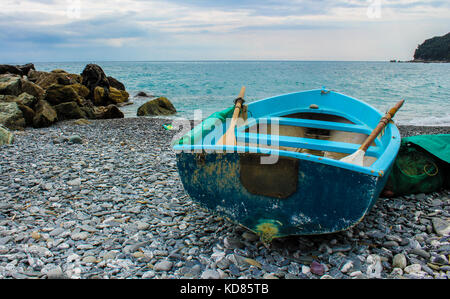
6	137
115	83
58	93
10	84
46	79
159	106
21	70
45	115
69	110
436	49
38	98
11	116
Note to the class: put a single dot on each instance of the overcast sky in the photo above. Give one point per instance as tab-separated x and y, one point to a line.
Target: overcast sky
84	30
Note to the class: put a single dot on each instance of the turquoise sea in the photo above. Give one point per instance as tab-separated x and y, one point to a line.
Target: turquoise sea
213	85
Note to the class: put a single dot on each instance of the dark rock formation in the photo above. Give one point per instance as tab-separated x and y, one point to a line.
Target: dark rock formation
113	82
436	49
93	76
21	70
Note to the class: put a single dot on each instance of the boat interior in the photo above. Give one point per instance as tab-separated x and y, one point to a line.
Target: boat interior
318	134
316	124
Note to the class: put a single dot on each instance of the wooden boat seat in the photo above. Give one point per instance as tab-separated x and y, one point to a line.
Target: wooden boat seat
311	123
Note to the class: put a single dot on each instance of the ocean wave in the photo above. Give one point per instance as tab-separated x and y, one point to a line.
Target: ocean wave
443	121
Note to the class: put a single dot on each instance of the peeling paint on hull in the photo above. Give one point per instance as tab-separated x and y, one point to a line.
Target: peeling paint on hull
328	199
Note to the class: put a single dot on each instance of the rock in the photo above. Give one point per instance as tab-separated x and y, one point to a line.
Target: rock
117	96
375	267
6	137
57	94
11	116
93	76
27	99
440	226
46	79
9	69
413	269
32	89
75	139
159	106
10	84
163	266
25	68
56	273
21	70
45	115
399	261
28	114
108	112
115	83
317	268
69	110
210	274
143	94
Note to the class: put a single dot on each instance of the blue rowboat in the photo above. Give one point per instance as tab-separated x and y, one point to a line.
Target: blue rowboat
284	174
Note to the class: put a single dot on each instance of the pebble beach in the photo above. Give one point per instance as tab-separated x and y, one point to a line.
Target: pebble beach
102	199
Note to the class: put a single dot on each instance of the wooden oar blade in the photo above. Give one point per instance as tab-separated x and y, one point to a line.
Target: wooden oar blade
357	158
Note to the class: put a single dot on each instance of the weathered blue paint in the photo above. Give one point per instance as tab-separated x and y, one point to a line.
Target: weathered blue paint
320	204
331	195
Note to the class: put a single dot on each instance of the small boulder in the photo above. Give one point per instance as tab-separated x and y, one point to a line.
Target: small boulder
21	70
45	115
32	89
11	116
6	137
10	84
57	94
108	112
69	110
46	79
143	94
27	99
159	106
118	96
113	82
25	68
28	113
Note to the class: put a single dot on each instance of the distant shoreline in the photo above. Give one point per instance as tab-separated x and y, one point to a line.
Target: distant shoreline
420	61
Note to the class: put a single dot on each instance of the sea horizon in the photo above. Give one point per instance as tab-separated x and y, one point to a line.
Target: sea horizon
211	85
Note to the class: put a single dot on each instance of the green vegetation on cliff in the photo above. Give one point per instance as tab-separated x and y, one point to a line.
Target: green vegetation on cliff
434	49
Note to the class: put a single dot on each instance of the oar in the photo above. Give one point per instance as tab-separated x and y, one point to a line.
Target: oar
229	137
357	157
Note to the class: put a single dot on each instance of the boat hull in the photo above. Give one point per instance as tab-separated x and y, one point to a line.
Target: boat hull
324	199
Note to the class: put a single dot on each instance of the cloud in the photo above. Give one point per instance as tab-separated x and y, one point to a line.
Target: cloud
178	29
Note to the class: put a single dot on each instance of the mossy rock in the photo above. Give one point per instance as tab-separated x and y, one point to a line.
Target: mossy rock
6	137
45	115
11	116
58	93
69	110
159	106
118	96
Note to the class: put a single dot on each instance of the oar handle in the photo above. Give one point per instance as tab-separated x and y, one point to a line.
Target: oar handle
229	137
383	122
